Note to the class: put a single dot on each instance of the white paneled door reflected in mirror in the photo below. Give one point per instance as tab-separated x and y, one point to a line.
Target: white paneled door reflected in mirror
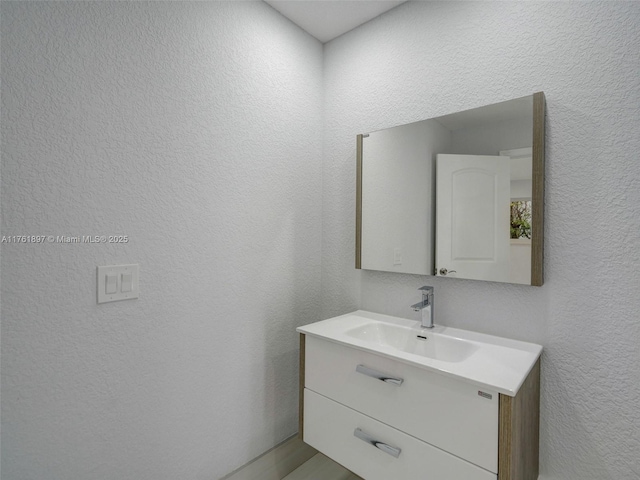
459	195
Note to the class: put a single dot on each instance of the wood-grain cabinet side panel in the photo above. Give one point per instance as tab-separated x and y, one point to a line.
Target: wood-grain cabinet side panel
301	389
518	433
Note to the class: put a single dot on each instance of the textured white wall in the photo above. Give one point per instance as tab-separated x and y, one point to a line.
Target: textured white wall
194	128
425	59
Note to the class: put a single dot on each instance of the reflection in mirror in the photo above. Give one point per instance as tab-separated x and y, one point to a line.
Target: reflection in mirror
458	195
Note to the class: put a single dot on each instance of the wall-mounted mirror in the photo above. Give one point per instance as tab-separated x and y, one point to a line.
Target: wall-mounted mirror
459	195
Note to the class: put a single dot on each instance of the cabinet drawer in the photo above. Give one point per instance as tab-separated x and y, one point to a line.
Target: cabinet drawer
440	410
330	428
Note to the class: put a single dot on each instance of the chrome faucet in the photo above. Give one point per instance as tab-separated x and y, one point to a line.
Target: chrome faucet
426	307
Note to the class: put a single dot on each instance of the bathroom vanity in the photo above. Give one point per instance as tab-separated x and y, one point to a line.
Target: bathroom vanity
390	400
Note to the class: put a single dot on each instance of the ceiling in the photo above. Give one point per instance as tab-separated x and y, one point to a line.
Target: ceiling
328	19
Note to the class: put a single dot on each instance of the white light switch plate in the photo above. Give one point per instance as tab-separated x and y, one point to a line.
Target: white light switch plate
118	271
397	256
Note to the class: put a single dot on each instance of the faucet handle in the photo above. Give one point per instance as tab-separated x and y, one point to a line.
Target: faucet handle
427	294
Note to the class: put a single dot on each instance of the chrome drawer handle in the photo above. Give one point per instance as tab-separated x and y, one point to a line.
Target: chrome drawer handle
393	451
370	372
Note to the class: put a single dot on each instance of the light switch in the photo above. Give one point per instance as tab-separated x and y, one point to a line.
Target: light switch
125	284
397	256
117	282
111	284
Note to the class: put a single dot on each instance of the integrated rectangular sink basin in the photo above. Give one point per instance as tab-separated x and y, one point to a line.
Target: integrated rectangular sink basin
418	341
488	361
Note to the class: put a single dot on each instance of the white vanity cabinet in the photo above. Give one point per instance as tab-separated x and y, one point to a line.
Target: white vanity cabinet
330	427
385	419
454	416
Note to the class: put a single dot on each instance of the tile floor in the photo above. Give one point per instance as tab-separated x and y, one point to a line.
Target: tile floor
320	467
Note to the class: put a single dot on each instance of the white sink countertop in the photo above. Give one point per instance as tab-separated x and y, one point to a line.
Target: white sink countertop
488	361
